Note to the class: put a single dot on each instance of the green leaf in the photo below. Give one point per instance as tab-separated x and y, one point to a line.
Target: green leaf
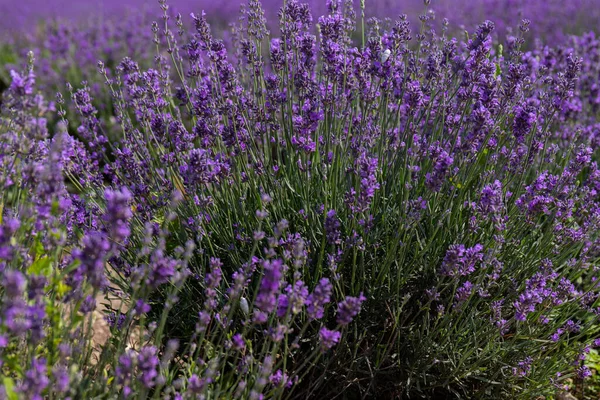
498	71
9	387
62	288
42	266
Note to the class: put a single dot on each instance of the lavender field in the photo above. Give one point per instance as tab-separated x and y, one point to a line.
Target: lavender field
280	199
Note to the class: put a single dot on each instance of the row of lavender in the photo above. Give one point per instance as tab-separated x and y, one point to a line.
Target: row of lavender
346	206
72	37
553	18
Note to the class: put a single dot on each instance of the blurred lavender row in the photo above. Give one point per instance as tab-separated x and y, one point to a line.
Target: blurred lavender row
551	19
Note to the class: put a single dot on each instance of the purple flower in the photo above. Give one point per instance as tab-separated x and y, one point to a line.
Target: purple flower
14	284
332	228
147	362
572	326
238	342
8	228
523	367
37	315
266	299
555	337
367	169
17	315
160	269
197	385
496	318
92	258
213	277
584	372
141	307
124	371
461	261
328	338
203	168
432	294
441	168
276	378
349	308
292	300
535	292
462	294
88	304
61	379
35	381
115	320
318	299
22	85
413	96
490	200
525	117
118	213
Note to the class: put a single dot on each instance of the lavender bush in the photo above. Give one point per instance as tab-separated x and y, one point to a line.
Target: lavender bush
70	40
345	206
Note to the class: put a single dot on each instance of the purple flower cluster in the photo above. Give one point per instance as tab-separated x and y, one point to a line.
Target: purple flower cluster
318	299
349	308
118	214
266	300
537	290
329	338
461	261
332	228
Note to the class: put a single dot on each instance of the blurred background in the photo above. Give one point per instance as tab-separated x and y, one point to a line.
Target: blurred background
551	19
